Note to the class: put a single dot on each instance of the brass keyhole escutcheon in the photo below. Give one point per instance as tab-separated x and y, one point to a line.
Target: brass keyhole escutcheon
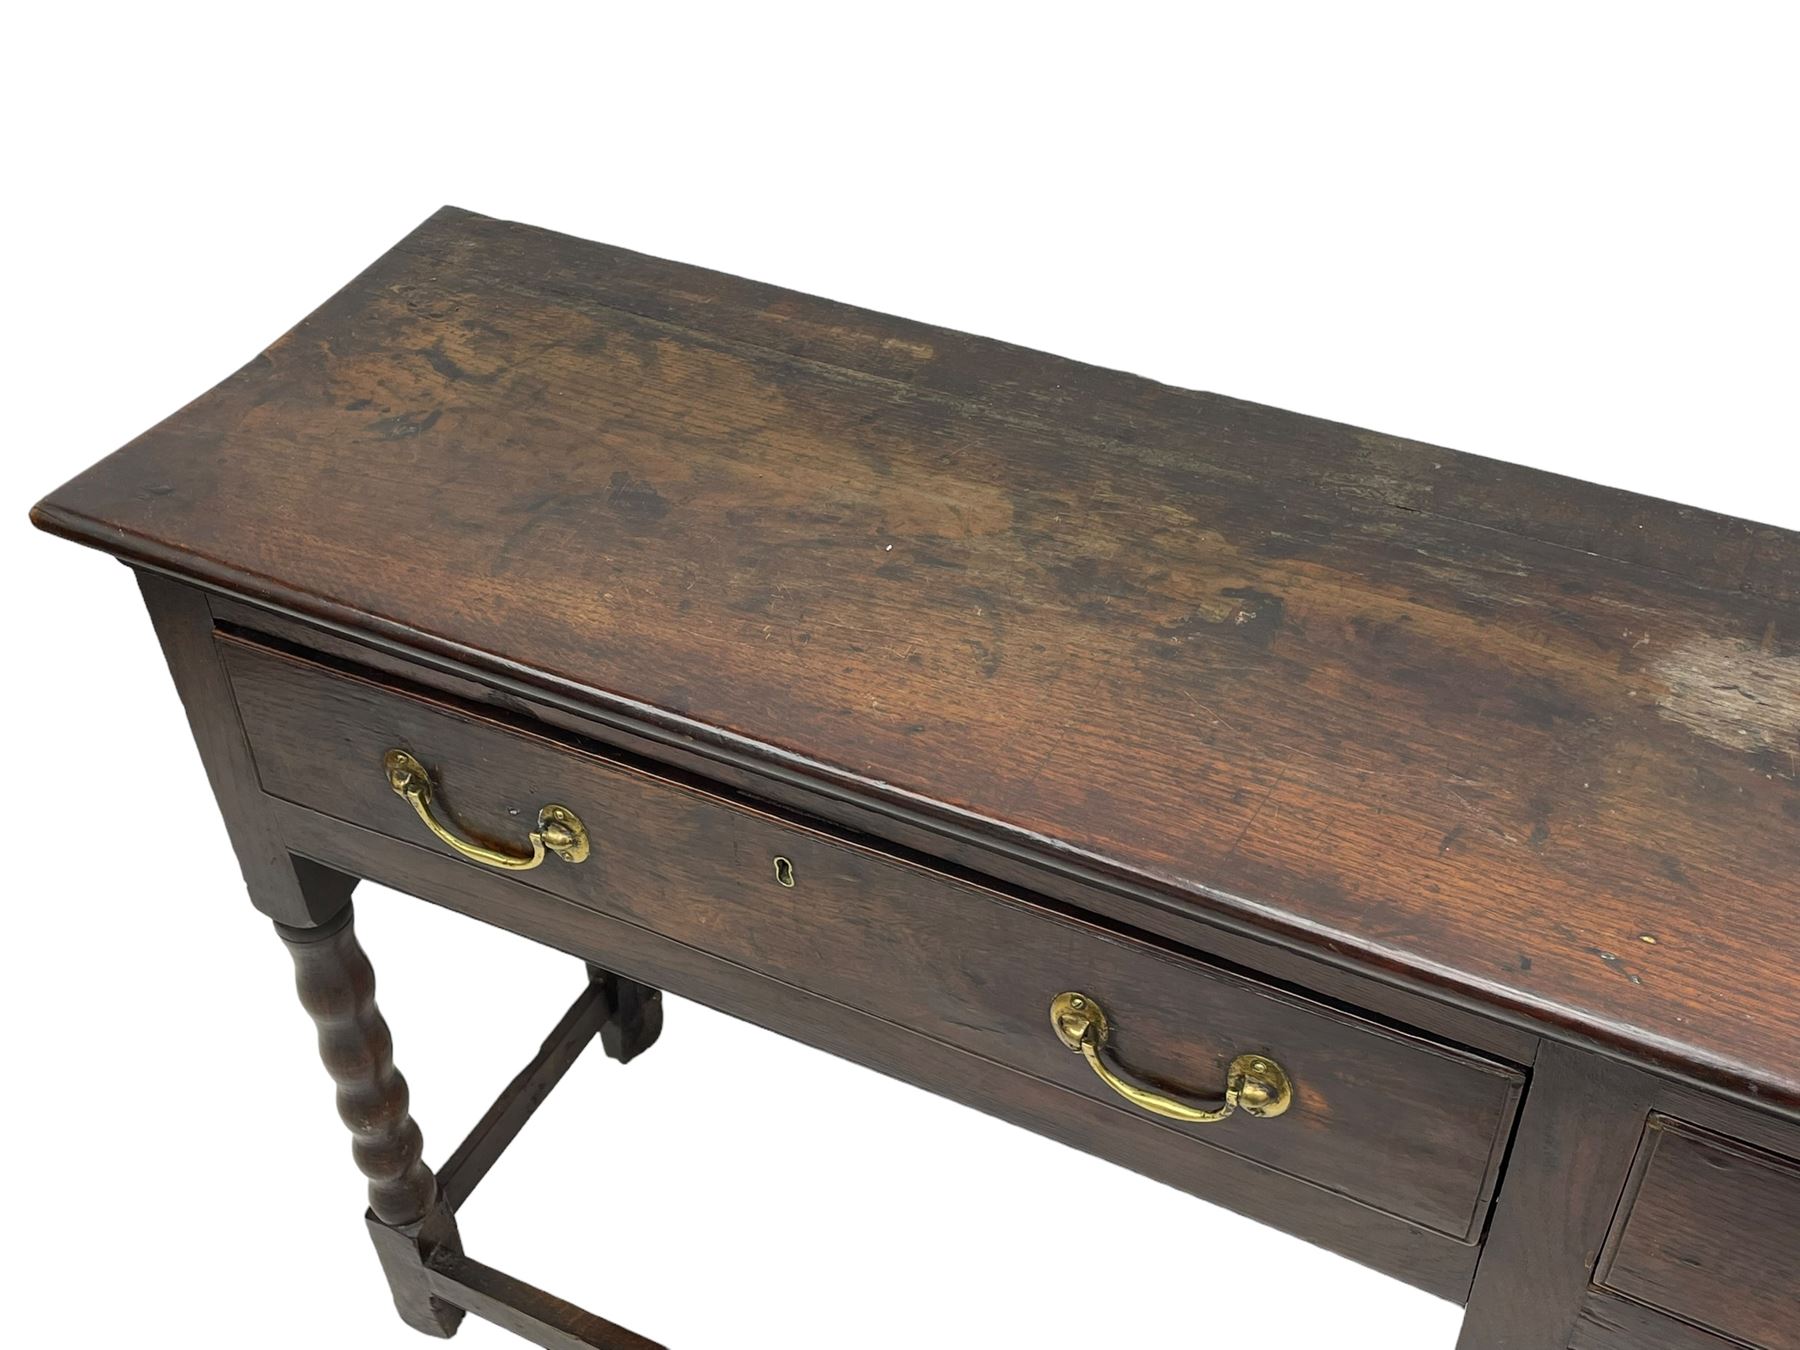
784	872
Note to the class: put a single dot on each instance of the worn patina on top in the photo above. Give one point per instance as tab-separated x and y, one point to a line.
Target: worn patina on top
1526	741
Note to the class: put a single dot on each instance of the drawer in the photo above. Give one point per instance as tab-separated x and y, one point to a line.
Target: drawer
1709	1232
1378	1115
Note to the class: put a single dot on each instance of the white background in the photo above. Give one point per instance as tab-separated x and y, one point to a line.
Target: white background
1562	235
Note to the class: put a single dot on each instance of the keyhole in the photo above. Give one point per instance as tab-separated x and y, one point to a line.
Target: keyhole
784	871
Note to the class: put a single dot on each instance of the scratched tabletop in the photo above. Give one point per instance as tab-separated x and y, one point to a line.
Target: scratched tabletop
1529	741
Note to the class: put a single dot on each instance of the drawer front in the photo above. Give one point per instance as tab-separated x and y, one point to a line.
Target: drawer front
1386	1118
1709	1232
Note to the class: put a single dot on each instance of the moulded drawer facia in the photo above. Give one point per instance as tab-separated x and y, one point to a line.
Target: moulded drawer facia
1382	1116
1709	1232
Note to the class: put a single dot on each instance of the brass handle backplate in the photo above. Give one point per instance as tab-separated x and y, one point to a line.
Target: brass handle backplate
558	831
1255	1083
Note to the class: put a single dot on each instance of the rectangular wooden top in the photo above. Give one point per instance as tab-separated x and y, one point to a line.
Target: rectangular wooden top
1529	741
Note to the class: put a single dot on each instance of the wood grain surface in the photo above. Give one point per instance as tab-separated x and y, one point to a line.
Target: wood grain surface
1530	741
1569	1160
1404	1250
1710	1232
1414	1129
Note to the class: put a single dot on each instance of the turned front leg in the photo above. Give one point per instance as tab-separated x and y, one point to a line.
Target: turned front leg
337	988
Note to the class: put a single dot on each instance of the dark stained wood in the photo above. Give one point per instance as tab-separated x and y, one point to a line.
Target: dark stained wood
1405	1250
1707	1214
336	984
625	1015
1569	1162
403	1253
433	1283
1768	1131
1609	1323
1061	878
634	1015
540	1318
1041	677
1527	741
494	1132
1403	1125
1249	440
407	1217
288	890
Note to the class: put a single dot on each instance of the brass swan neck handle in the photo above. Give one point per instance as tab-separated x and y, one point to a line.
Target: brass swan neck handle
1254	1083
558	831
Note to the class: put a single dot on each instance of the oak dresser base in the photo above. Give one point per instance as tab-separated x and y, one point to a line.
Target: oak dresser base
1396	846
